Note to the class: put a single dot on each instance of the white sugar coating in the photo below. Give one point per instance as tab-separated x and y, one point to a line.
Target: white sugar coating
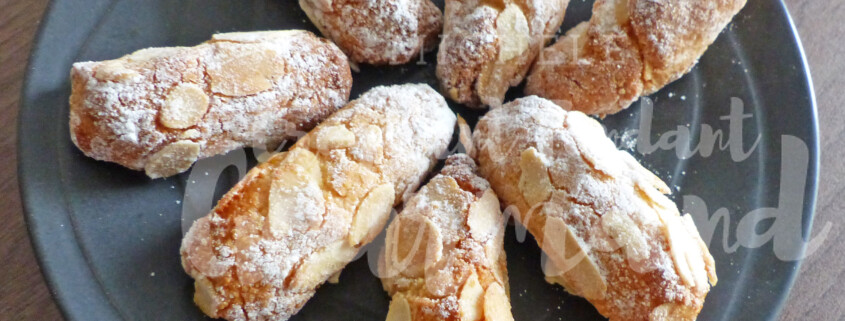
388	14
671	22
376	31
628	49
412	133
471	46
673	35
430	202
445	202
116	120
591	179
251	264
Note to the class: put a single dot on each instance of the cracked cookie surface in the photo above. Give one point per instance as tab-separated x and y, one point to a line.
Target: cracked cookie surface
298	219
603	221
444	256
488	46
628	49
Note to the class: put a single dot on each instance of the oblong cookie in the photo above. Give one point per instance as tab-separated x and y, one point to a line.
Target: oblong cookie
628	49
609	232
443	257
299	218
377	32
488	46
161	109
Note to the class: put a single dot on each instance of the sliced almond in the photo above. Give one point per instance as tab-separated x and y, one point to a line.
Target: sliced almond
497	306
190	134
470	301
443	278
308	162
296	201
172	159
709	263
562	246
399	309
206	298
465	136
370	145
335	278
184	106
534	183
688	260
115	71
484	216
555	275
414	244
697	255
372	214
346	177
321	265
334	137
446	190
513	32
294	204
626	234
676	250
242	70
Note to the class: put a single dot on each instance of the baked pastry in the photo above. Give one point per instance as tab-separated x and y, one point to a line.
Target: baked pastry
299	218
609	233
628	49
488	46
161	109
377	32
444	256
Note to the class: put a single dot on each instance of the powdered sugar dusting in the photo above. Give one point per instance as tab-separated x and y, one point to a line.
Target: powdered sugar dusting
260	257
592	182
452	253
468	65
376	31
115	103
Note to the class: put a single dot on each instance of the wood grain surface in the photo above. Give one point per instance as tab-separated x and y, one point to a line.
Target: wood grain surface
819	293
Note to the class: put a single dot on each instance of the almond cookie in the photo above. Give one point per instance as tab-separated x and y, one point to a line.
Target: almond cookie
161	109
603	221
377	32
628	49
299	218
488	46
443	257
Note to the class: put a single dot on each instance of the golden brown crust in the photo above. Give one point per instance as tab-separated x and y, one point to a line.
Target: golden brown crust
298	219
443	257
672	35
610	234
377	32
488	46
236	90
628	49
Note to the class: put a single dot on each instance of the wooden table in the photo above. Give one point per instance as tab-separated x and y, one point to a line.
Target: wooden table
818	293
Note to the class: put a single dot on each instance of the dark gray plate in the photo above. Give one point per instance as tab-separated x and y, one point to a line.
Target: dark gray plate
108	238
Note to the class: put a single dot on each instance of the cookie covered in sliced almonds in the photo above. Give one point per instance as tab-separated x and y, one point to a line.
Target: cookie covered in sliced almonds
607	230
235	90
488	46
628	49
444	255
296	220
